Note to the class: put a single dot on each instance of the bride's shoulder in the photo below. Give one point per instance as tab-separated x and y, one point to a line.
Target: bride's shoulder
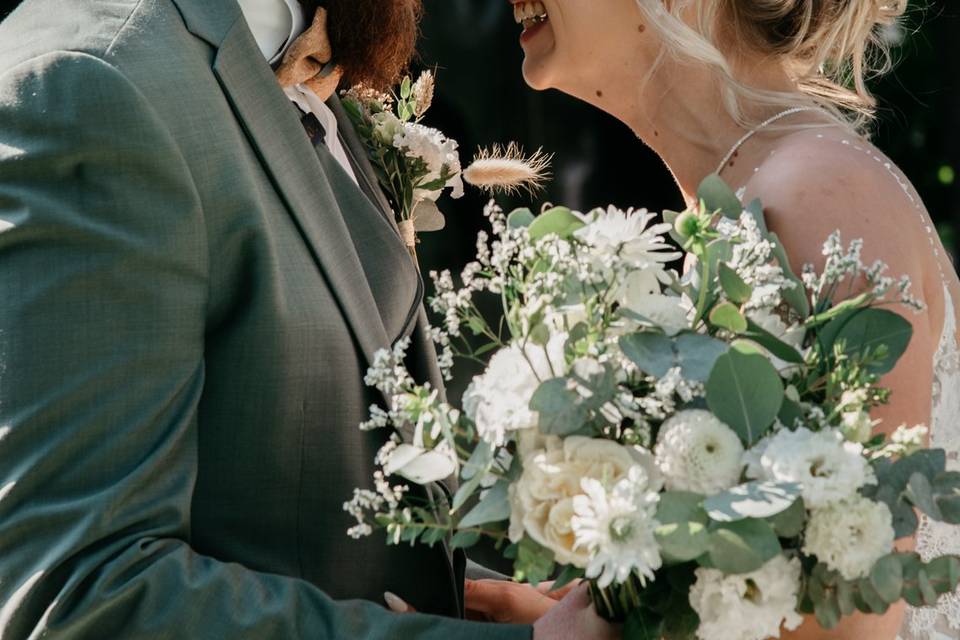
819	181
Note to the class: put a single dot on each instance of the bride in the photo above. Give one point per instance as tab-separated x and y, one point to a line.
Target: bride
772	95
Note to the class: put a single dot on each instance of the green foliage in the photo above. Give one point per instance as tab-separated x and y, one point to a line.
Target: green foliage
752	500
558	220
742	546
736	290
656	354
870	331
727	316
567	405
745	391
464	539
716	195
520	218
567	575
533	563
494	507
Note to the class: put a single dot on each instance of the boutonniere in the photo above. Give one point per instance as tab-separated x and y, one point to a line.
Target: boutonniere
414	163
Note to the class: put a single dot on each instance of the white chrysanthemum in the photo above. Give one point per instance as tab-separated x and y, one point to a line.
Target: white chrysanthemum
750	606
849	536
437	151
630	234
697	452
826	466
542	500
498	401
617	527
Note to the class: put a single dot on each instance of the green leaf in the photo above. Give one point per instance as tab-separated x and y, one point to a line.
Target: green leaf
718	196
559	407
930	595
568	575
827	610
494	507
697	354
796	296
944	573
743	546
655	353
464	539
734	287
534	563
752	500
682	541
746	392
789	523
559	220
790	412
772	343
519	218
405	88
870	328
869	594
727	316
681	506
887	578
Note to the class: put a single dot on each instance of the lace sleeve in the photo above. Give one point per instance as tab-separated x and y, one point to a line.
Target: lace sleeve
935	538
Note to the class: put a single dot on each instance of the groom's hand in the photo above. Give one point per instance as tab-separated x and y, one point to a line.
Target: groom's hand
511	602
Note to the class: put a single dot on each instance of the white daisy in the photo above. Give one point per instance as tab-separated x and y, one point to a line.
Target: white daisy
617	527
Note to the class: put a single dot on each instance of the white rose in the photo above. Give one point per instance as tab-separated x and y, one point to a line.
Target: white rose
542	500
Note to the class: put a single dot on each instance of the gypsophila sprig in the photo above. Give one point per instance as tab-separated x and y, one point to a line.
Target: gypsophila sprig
701	449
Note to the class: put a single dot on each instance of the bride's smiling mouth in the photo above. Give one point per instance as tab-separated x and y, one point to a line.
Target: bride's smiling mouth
532	14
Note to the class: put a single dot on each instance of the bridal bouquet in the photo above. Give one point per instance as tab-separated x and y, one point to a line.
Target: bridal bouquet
414	163
699	448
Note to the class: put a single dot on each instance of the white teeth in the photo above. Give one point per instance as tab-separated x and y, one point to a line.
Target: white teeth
532	10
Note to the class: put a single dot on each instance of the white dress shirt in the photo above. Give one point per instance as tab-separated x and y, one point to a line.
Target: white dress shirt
275	24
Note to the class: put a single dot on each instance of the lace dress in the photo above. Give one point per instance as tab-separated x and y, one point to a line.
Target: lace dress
936	538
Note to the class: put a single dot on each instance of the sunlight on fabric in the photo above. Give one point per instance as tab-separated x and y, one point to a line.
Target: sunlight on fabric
16	600
4	225
5	489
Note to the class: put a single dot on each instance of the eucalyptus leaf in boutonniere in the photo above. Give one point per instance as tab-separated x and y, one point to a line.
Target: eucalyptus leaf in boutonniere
414	163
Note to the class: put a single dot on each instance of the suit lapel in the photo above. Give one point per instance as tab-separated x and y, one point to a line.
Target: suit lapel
289	158
366	175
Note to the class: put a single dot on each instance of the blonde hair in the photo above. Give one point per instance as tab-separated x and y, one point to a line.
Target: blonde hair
830	48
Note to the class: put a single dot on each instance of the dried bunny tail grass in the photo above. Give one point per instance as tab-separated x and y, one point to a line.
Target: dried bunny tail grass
508	170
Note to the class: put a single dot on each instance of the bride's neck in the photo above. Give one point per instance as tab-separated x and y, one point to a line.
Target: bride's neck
680	114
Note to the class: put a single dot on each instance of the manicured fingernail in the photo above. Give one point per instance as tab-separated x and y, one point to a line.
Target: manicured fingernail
395	603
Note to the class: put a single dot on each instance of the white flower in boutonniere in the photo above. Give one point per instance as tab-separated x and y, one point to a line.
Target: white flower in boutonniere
414	163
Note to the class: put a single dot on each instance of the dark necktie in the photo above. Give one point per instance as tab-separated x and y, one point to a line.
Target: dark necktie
315	130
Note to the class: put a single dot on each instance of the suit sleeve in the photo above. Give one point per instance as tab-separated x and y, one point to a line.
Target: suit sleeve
103	294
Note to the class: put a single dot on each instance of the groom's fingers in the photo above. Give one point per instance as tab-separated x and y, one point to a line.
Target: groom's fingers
397	604
502	601
546	588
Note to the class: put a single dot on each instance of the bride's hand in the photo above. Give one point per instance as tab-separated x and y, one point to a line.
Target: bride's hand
511	602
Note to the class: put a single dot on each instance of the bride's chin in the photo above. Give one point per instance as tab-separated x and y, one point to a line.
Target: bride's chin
536	76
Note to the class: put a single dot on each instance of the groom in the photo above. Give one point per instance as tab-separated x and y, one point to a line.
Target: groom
196	268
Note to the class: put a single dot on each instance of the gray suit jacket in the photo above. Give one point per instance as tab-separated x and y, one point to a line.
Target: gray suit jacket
189	297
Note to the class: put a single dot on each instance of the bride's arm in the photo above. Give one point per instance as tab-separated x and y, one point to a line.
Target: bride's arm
813	191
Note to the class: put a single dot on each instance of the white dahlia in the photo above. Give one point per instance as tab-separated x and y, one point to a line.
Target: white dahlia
498	401
750	606
697	452
630	235
849	536
616	527
823	463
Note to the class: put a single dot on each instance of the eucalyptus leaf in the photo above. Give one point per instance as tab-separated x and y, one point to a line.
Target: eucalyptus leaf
752	500
494	507
868	329
464	539
718	196
790	523
727	316
568	575
558	220
652	352
681	506
559	407
697	354
887	578
743	546
795	296
746	392
520	218
772	343
682	541
734	287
